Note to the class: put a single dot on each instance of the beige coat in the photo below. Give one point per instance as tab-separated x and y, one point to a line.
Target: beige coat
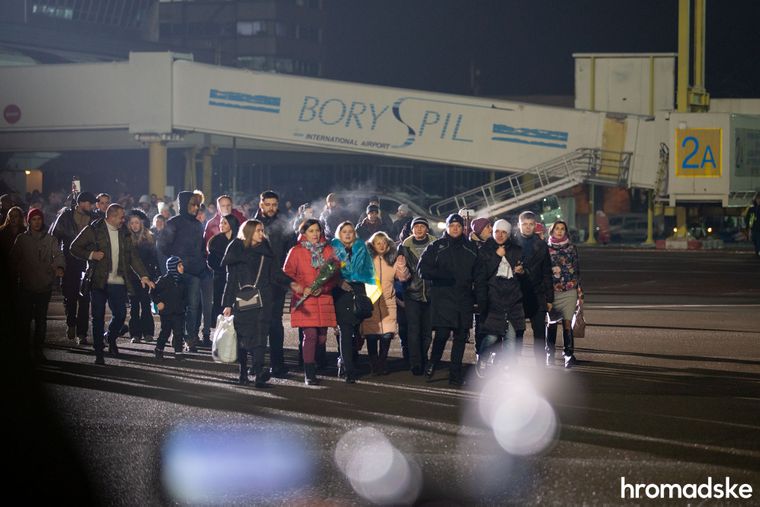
383	319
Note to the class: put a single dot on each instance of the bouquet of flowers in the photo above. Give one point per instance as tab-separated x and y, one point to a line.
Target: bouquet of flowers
326	272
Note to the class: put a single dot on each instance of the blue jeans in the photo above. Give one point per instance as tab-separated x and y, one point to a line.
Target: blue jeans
116	297
192	321
508	345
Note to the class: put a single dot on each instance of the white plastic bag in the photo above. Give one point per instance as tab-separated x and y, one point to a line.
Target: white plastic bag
224	347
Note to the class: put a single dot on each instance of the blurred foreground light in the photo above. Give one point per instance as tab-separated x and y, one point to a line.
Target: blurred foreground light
377	471
28	172
522	421
675	229
441	226
231	464
709	230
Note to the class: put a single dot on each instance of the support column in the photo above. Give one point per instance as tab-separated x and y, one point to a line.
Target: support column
684	25
650	218
206	185
591	240
190	179
157	168
681	222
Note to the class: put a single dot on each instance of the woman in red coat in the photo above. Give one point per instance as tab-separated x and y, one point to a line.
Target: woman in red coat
317	313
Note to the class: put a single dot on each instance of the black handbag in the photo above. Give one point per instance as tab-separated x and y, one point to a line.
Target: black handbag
249	296
362	306
85	284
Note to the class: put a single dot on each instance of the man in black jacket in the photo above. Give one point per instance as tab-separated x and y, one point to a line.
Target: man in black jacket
107	246
417	296
183	237
448	263
281	238
537	288
69	223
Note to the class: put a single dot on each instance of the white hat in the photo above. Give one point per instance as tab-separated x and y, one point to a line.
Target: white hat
502	225
144	199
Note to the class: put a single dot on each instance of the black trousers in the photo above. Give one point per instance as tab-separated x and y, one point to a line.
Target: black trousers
457	348
538	325
34	308
220	279
276	331
77	307
171	324
419	331
140	315
256	346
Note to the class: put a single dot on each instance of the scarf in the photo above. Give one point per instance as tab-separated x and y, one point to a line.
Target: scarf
316	250
558	243
358	263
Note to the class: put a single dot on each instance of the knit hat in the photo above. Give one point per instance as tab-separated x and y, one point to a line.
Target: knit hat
420	220
403	208
502	225
479	224
86	197
171	266
372	207
454	218
539	228
34	212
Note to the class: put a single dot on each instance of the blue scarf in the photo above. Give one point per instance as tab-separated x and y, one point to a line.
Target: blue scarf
358	265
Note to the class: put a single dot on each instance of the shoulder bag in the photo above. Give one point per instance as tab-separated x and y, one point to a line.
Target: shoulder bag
249	296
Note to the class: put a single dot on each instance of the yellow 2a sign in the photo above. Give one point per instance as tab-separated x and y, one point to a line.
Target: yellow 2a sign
699	152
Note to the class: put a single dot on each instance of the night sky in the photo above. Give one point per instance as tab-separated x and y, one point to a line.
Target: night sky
525	47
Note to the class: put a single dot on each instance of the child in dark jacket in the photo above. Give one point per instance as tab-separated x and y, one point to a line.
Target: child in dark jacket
170	296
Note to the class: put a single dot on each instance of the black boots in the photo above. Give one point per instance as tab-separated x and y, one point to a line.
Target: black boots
382	359
310	374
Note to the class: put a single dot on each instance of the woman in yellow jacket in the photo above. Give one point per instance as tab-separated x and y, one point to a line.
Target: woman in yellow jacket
382	325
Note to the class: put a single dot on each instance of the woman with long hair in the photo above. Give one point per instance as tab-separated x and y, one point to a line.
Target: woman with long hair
383	325
217	245
141	326
566	275
317	313
249	261
356	270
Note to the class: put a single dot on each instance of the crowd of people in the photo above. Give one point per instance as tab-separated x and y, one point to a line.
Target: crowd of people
369	278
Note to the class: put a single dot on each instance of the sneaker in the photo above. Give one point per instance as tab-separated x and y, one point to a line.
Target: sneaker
71	333
82	340
430	370
480	367
549	360
191	348
570	361
147	338
158	354
456	382
135	339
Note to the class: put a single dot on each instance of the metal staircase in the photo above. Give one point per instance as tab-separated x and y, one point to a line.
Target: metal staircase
589	165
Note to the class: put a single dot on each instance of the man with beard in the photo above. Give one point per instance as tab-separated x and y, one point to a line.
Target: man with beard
281	238
183	237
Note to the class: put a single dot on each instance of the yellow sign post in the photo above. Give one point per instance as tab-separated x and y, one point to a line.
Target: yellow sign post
699	152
